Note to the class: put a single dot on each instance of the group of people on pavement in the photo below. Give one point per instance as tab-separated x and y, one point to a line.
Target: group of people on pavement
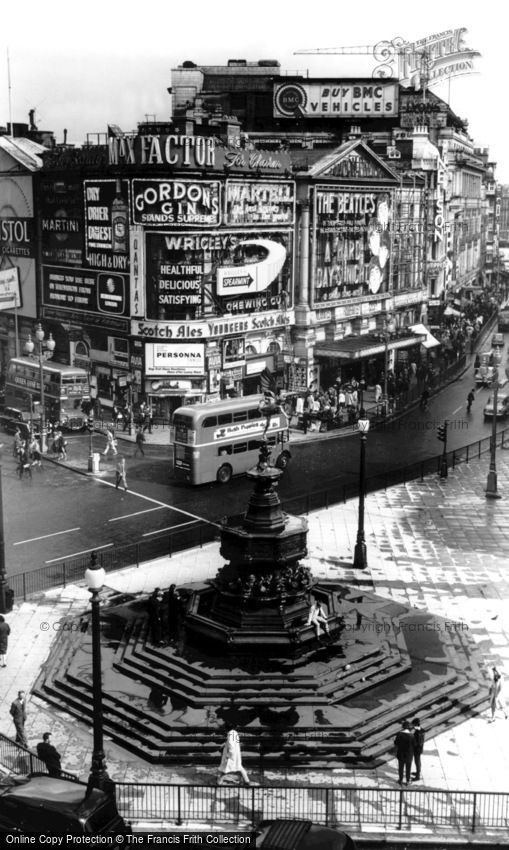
47	753
165	610
409	741
27	453
127	415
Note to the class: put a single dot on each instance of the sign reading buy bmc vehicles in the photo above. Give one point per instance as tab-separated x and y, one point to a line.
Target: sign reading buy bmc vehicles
335	99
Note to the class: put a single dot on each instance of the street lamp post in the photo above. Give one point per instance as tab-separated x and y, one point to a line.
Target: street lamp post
94	578
491	491
360	560
45	351
5	591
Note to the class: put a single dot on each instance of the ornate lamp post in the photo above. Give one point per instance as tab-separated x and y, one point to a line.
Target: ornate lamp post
94	577
360	560
44	352
491	491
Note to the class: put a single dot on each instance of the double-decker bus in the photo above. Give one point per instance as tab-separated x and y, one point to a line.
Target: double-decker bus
65	390
213	441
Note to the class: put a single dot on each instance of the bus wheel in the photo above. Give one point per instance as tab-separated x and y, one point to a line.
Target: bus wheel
283	460
224	473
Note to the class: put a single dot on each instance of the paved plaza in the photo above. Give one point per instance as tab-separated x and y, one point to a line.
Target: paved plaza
438	545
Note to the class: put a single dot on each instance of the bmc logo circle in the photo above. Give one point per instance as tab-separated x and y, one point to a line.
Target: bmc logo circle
290	98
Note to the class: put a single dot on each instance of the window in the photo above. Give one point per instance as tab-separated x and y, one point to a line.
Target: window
238	448
240	416
210	422
224	450
254	413
224	419
253	445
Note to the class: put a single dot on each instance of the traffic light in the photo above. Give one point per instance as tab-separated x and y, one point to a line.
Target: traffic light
442	432
90	423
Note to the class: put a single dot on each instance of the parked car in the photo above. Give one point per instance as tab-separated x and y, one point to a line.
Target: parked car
12	418
497	340
300	835
485	372
45	804
502	407
503	320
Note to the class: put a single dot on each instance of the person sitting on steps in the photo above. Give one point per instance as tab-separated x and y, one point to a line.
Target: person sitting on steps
316	617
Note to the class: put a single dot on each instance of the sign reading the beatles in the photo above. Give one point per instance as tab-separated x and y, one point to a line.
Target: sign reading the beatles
176	203
62	223
107	224
335	99
238	271
82	289
351	243
247	202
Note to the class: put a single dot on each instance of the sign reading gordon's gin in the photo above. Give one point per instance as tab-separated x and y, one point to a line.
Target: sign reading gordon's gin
335	99
159	203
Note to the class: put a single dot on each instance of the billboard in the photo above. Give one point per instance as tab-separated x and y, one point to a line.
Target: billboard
176	203
62	224
335	99
17	237
9	289
352	242
261	203
107	224
236	271
173	358
84	289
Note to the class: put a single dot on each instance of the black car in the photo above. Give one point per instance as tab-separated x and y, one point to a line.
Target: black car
300	835
46	804
12	418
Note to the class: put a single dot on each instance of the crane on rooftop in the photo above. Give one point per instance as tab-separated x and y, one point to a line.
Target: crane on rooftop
386	53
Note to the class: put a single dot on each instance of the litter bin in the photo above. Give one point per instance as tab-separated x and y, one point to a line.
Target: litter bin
93	462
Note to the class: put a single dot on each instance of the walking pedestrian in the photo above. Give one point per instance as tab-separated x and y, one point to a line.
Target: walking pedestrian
19	715
60	445
378	393
470	400
5	631
139	439
34	451
49	755
495	695
18	441
121	473
111	443
156	617
404	745
148	418
24	464
231	758
418	747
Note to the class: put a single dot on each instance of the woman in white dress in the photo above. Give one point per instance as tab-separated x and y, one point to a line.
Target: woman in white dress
231	759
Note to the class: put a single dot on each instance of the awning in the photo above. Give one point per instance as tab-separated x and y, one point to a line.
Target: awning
356	347
430	340
450	311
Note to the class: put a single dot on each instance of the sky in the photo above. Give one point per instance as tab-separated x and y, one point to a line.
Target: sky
85	65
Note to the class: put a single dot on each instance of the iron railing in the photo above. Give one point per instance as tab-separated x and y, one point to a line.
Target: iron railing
355	808
351	807
22	761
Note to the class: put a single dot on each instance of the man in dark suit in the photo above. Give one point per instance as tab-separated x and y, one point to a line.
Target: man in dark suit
19	715
404	744
49	755
418	746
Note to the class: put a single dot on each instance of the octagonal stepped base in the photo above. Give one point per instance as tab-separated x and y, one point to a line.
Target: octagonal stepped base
338	705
